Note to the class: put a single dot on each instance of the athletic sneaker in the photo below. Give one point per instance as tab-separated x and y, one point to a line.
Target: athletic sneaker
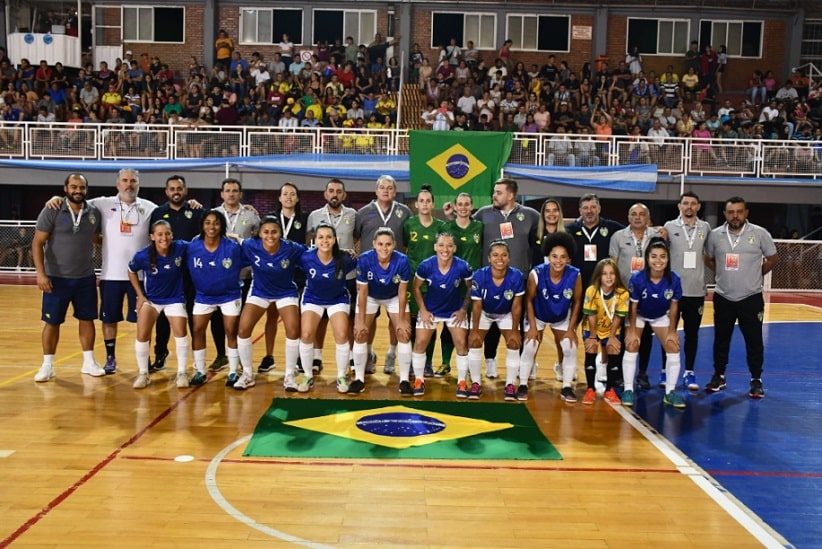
558	371
522	392
475	392
198	379
45	373
342	385
462	389
716	384
689	380
305	385
290	384
642	382
443	371
419	387
94	370
245	382
232	378
429	370
491	368
110	367
567	394
356	387
390	363
371	365
611	396
627	397
266	364
599	388
141	382
674	399
316	366
757	391
405	389
219	363
663	378
510	392
159	363
182	380
589	397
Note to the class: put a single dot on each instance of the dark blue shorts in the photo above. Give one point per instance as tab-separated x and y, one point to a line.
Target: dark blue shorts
81	293
111	301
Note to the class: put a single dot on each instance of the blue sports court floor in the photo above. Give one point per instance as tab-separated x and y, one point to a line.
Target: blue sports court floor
767	453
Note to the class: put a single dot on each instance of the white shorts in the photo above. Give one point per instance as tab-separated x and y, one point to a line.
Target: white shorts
281	303
172	309
560	325
230	308
441	319
504	321
331	309
392	305
662	322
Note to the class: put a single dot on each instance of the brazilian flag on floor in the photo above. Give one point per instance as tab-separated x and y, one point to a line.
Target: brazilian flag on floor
457	162
320	428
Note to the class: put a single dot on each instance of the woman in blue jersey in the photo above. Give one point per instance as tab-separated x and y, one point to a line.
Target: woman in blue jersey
553	297
442	274
273	261
325	268
383	274
655	293
496	292
214	262
162	263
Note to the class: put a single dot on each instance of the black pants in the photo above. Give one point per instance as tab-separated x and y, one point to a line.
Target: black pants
217	328
749	313
162	328
690	311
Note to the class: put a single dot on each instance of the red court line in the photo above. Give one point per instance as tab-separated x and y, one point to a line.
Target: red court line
92	472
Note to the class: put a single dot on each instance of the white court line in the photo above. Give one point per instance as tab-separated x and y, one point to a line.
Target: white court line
219	499
735	508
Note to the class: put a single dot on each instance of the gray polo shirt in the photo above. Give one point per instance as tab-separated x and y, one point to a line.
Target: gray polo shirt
370	217
518	229
68	254
629	252
687	246
739	259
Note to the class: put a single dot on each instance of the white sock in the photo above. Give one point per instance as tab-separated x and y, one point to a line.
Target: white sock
48	360
306	356
360	353
474	365
672	366
342	358
244	346
234	362
511	366
318	353
88	358
629	370
569	362
292	352
141	350
418	363
602	372
392	350
181	350
404	359
526	360
199	360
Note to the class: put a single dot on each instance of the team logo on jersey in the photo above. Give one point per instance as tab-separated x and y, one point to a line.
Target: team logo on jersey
188	214
603	231
395	279
92	220
298	225
701	235
399	213
567	293
476	239
141	211
284	264
668	294
520	216
508	295
178	261
457	283
347	220
227	263
751	240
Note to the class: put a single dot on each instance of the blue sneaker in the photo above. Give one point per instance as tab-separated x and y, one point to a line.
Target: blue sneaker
627	398
673	399
111	365
429	370
197	380
663	378
689	380
230	380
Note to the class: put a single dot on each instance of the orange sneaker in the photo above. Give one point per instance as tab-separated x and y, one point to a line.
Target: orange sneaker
589	397
611	396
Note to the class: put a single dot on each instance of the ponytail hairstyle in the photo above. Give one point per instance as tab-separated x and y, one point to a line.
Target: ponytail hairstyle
426	188
658	242
152	246
336	252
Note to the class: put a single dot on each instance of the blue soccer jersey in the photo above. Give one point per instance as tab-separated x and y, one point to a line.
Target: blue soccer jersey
444	297
273	274
216	275
162	285
654	300
497	300
323	286
383	283
552	302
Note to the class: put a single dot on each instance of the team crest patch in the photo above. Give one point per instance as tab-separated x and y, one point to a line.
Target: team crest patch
298	225
476	239
92	220
457	283
474	285
188	214
520	216
284	264
760	315
603	231
508	295
751	240
668	294
178	261
227	263
567	293
395	279
141	211
701	235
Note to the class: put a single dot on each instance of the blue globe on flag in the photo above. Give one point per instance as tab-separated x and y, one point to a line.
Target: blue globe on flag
457	166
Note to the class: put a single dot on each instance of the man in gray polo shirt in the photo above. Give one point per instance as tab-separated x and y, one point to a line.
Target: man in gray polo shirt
62	251
740	254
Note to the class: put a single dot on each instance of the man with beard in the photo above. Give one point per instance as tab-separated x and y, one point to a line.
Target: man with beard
62	251
185	225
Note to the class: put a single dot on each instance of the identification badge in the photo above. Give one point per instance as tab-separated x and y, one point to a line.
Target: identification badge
731	262
637	264
590	252
506	230
125	228
689	260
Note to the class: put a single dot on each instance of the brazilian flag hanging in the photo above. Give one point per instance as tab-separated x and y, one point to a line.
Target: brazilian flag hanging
458	162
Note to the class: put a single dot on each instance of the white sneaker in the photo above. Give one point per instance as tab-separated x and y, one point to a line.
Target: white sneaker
182	380
245	382
558	371
390	363
305	385
141	382
94	370
342	385
290	384
491	368
45	373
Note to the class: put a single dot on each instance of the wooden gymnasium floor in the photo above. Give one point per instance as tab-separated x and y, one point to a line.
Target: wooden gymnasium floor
91	462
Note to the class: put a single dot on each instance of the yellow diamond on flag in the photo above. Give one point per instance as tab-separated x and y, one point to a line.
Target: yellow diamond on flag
398	426
456	166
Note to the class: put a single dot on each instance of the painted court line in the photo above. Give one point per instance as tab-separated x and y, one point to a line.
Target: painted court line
736	509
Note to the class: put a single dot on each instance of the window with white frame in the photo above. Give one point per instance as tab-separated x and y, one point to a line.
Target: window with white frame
154	24
741	38
658	36
539	32
333	25
479	28
811	51
267	25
